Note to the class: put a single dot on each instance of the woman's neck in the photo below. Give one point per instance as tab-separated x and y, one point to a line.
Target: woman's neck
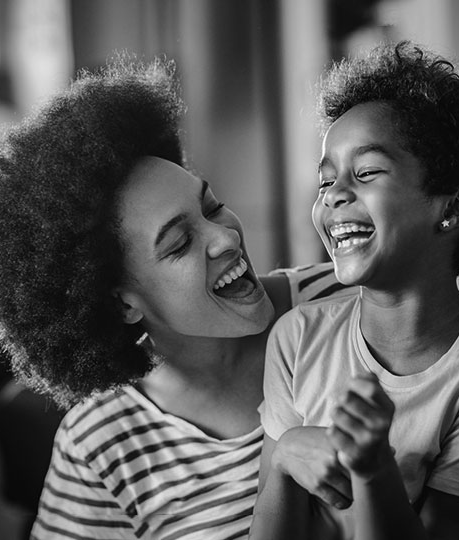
213	384
206	358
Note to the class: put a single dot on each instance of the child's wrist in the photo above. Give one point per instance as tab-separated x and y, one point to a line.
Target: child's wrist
382	466
278	461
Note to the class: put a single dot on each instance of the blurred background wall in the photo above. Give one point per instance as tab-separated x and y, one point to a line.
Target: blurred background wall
248	70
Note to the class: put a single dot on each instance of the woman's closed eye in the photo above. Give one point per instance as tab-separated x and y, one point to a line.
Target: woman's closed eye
180	247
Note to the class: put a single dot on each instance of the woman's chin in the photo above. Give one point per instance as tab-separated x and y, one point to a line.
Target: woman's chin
267	316
260	319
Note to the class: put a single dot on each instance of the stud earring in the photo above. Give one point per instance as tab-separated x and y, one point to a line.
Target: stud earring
445	223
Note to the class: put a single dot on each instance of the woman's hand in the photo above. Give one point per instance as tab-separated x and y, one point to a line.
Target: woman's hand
360	428
306	455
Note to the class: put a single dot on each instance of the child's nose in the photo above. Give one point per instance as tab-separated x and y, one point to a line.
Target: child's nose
339	193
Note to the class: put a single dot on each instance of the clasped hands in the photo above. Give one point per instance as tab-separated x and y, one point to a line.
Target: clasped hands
322	460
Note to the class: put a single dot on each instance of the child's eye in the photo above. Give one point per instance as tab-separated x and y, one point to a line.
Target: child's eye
214	211
367	175
325	183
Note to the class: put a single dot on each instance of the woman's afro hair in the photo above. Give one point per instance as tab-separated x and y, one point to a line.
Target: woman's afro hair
421	88
60	172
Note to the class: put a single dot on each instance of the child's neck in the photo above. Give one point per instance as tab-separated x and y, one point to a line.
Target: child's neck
407	333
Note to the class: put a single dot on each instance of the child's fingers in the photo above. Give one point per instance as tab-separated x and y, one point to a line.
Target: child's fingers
337	495
360	426
368	388
342	441
352	434
348	422
361	412
359	450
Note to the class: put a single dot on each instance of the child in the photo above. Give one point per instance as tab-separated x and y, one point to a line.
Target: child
377	373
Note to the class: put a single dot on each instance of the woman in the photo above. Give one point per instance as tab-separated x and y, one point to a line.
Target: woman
127	285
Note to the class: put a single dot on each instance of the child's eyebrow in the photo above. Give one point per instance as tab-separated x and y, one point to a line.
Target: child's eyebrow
373	147
360	151
322	163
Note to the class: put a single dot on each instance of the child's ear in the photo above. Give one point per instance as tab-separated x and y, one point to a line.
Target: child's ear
126	303
453	205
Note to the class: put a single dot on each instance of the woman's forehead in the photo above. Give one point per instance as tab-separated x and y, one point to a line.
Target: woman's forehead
155	192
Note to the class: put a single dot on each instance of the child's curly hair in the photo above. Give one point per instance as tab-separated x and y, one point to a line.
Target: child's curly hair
423	90
61	257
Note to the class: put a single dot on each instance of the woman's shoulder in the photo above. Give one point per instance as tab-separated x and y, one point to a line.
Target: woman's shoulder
288	287
96	413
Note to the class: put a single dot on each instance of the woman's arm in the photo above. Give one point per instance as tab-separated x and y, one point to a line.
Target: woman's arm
75	503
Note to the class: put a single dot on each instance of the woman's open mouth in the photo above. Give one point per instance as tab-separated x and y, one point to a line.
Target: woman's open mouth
236	282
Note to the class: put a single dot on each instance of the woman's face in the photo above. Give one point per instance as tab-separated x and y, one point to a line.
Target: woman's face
187	266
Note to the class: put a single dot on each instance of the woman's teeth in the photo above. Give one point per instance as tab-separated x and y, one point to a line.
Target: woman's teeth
235	272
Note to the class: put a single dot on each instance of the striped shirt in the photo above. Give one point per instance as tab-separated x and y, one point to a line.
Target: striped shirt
123	469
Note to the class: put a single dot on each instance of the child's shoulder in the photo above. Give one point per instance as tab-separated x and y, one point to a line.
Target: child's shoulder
331	305
324	311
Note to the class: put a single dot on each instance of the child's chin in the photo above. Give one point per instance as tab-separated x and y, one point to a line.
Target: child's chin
348	275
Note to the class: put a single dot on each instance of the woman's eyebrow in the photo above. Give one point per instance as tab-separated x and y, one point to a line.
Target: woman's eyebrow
167	227
204	188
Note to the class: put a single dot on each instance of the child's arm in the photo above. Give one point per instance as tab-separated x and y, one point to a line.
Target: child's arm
303	456
361	424
440	515
281	510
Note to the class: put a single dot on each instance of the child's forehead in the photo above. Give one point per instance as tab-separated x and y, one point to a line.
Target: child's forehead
367	127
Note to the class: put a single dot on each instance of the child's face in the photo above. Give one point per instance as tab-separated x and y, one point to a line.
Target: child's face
371	212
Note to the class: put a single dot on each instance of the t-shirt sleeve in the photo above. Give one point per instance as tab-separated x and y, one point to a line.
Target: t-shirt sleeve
278	413
75	502
445	474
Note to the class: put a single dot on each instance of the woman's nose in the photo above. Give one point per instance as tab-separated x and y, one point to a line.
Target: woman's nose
222	239
341	192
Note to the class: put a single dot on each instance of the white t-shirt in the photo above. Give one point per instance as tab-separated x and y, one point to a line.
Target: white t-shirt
315	348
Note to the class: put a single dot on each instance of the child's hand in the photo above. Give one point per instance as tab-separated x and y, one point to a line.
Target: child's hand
360	429
306	455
